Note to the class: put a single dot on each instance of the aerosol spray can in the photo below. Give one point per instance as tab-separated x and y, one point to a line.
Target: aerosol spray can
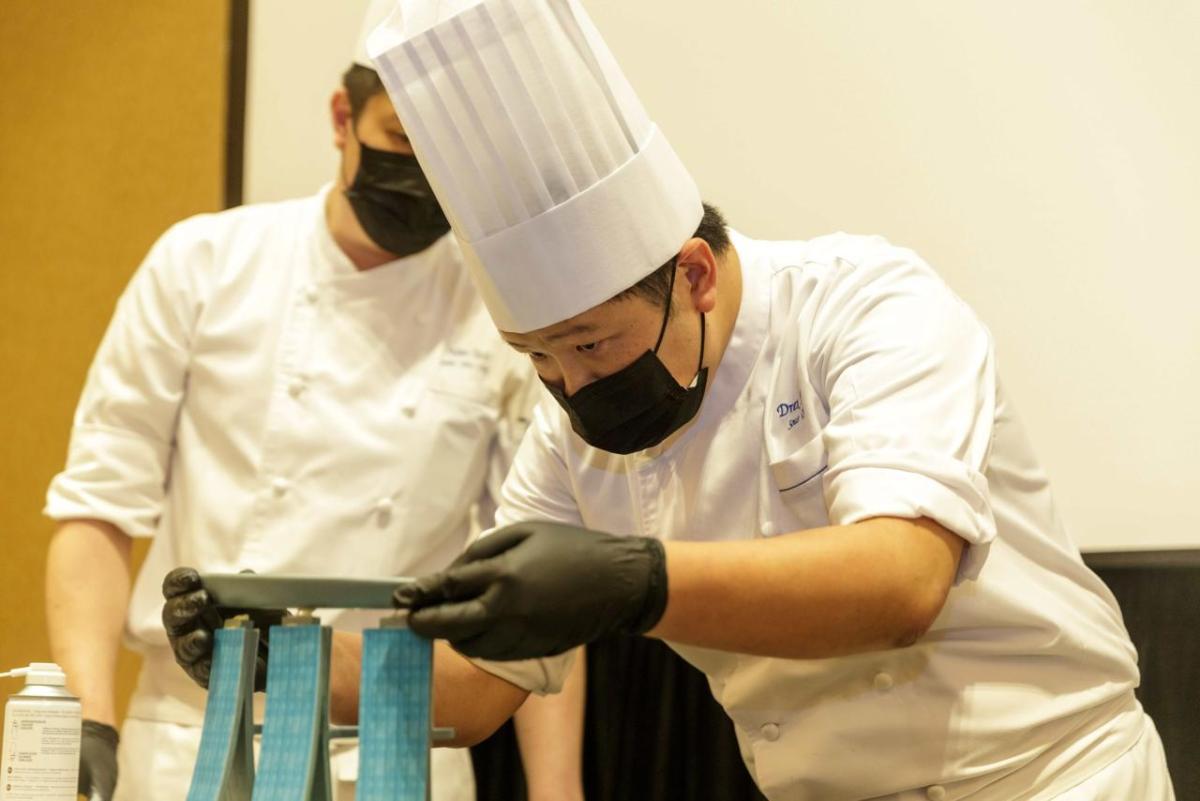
41	738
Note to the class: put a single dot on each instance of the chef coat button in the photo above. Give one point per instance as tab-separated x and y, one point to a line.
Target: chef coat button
768	529
280	487
884	682
311	293
770	731
383	506
935	792
296	388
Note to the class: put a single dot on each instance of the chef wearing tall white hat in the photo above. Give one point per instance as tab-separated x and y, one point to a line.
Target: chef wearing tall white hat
815	488
791	461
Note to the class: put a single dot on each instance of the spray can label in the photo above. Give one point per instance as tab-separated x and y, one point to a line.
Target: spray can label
41	750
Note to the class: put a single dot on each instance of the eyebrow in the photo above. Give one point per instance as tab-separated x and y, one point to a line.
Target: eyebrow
578	328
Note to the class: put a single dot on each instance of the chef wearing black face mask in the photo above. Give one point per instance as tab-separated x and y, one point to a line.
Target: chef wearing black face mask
835	514
320	314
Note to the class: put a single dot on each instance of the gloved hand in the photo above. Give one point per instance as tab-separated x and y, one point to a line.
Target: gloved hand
190	618
98	761
538	589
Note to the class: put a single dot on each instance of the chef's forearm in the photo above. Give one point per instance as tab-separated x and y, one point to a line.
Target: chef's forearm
469	699
87	594
826	592
466	698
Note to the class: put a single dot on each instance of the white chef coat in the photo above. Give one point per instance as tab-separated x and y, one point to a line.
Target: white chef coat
259	403
856	385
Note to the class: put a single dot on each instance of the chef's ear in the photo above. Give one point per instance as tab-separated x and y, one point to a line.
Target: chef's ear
699	265
341	116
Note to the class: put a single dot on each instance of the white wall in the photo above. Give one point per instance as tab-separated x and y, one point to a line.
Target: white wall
1043	156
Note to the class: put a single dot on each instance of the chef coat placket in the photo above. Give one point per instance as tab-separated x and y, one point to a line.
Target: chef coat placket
277	490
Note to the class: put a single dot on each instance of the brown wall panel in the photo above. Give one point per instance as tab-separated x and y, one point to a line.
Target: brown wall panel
112	126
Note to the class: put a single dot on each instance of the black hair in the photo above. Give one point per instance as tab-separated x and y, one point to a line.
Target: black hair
655	286
361	84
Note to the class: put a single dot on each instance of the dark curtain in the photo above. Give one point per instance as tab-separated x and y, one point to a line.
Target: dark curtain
652	732
1159	593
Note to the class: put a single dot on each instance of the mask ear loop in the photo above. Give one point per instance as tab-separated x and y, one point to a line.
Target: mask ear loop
666	316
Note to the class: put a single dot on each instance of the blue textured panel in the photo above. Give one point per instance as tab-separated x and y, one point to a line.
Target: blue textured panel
294	757
225	763
394	721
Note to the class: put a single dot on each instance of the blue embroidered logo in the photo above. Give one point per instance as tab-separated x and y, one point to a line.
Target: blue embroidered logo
792	411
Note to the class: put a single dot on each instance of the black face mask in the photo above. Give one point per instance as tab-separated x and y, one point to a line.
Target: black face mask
394	203
638	406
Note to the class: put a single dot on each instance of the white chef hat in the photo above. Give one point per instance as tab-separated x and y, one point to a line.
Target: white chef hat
560	189
377	12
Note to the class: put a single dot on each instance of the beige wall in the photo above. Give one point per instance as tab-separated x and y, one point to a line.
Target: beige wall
112	128
1041	155
300	48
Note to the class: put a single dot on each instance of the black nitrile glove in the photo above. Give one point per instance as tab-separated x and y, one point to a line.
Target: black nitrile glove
539	589
98	760
190	618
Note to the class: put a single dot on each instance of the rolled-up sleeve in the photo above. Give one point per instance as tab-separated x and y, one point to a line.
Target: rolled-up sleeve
909	377
121	439
538	676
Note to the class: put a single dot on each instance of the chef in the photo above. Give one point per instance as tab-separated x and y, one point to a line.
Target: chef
814	485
